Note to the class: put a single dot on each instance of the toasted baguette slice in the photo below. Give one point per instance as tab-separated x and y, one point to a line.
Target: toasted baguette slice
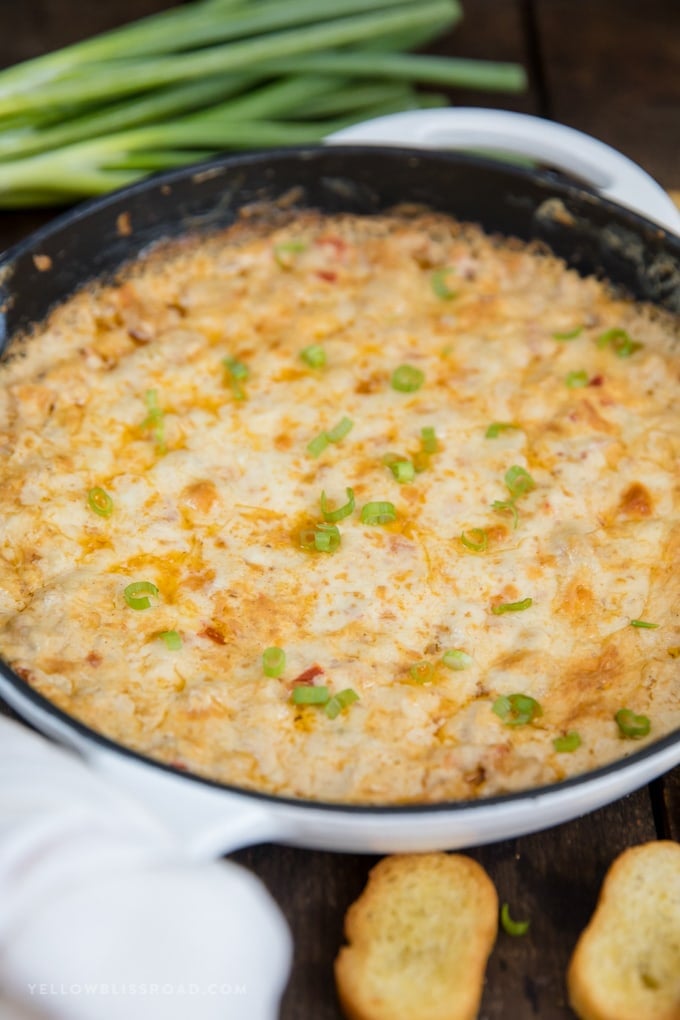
419	938
626	965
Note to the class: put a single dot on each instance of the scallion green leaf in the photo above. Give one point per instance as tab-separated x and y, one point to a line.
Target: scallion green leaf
340	512
631	725
476	539
512	607
308	694
506	506
421	672
428	440
171	640
439	284
495	428
407	379
516	709
569	334
316	446
273	661
644	624
339	431
314	356
100	502
378	512
236	373
519	481
188	82
454	658
284	251
576	380
569	742
139	594
155	420
322	537
403	469
512	927
341	700
327	538
620	341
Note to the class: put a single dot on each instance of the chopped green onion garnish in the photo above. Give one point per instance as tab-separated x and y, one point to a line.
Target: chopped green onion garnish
512	927
321	538
137	594
439	285
476	539
341	512
428	440
287	248
314	356
519	481
610	335
454	658
575	380
151	401
236	368
511	607
155	419
306	694
421	671
339	701
273	661
632	725
236	373
570	334
407	379
100	502
402	469
516	709
378	512
172	640
620	341
645	624
326	538
495	428
569	742
506	506
339	431
316	446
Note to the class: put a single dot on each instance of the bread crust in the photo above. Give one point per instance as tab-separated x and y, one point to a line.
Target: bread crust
419	937
626	965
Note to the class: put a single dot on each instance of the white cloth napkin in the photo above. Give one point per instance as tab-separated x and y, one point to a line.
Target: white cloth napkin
102	915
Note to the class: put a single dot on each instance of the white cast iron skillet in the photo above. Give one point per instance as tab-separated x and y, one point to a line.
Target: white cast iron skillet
210	819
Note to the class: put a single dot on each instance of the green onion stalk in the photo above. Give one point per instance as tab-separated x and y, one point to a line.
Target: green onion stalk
219	75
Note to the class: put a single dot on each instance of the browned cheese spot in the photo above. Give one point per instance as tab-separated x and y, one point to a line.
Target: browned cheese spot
636	502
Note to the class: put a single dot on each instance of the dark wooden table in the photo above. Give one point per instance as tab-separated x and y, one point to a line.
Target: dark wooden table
609	67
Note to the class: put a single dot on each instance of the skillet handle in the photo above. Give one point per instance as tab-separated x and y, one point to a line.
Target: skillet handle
205	821
605	169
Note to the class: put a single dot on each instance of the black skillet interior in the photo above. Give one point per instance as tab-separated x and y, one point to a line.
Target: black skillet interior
593	235
94	239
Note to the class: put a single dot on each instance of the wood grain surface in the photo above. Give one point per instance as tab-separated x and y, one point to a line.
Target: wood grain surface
609	67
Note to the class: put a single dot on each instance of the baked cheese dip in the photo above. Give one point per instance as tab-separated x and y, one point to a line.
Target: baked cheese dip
376	510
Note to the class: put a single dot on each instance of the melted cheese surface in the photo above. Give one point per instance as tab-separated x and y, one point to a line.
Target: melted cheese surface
212	491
